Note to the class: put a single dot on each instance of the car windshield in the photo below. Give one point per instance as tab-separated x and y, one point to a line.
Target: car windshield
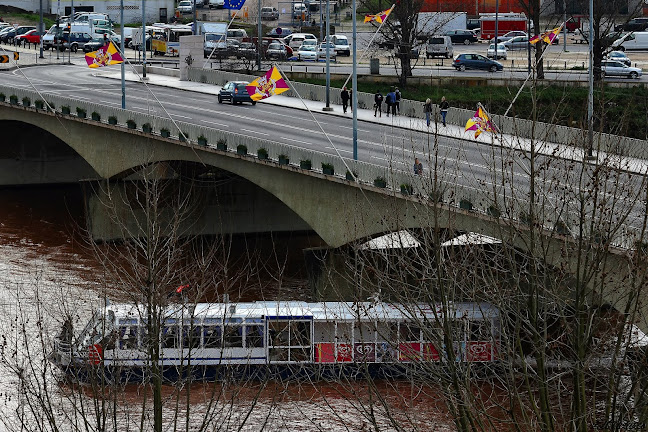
274	46
308	48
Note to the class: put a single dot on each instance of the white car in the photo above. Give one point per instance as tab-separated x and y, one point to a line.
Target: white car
309	42
307	52
341	44
616	68
216	4
322	48
502	51
619	56
185	7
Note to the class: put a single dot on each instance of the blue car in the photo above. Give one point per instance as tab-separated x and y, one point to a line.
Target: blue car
235	92
476	61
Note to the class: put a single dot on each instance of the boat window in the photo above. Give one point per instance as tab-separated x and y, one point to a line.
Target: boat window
170	337
127	337
191	337
278	332
324	331
363	332
254	336
479	331
343	332
457	330
300	333
233	336
386	332
409	332
212	335
144	339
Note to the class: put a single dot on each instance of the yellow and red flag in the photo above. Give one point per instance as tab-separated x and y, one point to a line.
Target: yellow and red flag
268	85
380	17
480	122
547	37
105	56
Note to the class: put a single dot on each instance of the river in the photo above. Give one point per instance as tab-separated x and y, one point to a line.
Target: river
45	270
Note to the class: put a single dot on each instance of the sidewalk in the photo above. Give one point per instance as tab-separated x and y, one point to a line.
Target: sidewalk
401	122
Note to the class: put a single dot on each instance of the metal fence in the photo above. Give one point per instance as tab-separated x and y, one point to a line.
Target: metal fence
470	196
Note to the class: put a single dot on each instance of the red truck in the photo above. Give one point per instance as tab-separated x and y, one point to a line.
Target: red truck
506	22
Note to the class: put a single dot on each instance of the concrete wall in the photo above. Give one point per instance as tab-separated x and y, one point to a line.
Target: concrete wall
191	52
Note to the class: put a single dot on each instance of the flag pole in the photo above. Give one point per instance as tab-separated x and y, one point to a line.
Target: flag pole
121	48
364	54
525	81
354	82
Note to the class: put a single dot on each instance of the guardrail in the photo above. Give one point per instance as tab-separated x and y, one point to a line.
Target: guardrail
528	129
470	197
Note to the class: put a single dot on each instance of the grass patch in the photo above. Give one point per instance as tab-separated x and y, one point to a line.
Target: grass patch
621	106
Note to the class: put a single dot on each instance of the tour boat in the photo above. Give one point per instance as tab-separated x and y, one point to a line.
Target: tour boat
290	338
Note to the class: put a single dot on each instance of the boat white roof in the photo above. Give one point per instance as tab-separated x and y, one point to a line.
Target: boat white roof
339	311
394	240
471	238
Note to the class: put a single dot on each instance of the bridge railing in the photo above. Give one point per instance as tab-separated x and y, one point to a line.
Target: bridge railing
469	195
524	128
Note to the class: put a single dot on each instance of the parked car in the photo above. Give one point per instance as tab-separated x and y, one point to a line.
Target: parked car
7	32
308	42
279	32
465	37
510	35
295	40
322	48
269	13
276	51
216	4
473	24
635	24
517	43
616	68
222	50
31	37
476	61
17	32
95	43
235	92
246	50
502	51
619	56
439	46
185	7
73	41
307	52
341	44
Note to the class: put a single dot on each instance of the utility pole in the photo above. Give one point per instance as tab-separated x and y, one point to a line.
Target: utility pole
144	38
195	24
590	95
121	48
259	36
328	57
41	30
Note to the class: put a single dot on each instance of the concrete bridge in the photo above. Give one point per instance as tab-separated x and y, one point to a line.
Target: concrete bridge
270	195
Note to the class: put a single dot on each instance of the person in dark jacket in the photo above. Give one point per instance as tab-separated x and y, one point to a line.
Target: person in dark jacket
397	99
444	109
345	99
427	109
378	100
391	101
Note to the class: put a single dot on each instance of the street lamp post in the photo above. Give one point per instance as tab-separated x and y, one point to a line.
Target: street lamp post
121	48
144	38
259	36
328	58
354	83
41	30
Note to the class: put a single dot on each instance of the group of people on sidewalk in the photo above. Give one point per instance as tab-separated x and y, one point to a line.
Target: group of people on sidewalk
392	100
443	106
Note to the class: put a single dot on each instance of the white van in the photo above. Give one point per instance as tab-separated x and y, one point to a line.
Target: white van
632	41
299	10
439	46
295	40
237	34
341	44
87	17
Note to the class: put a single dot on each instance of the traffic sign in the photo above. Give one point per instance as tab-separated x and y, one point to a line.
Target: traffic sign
5	58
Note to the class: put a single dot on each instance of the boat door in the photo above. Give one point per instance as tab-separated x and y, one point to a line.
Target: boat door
289	339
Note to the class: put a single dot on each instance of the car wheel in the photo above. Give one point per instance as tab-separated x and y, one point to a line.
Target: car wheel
220	99
462	67
253	102
493	68
74	48
466	41
232	101
634	75
427	56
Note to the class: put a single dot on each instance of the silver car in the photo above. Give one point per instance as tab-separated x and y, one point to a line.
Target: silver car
322	48
616	68
517	43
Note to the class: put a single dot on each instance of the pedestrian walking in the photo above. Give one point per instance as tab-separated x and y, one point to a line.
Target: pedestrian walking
345	99
418	167
397	102
351	99
444	109
390	100
378	100
427	109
